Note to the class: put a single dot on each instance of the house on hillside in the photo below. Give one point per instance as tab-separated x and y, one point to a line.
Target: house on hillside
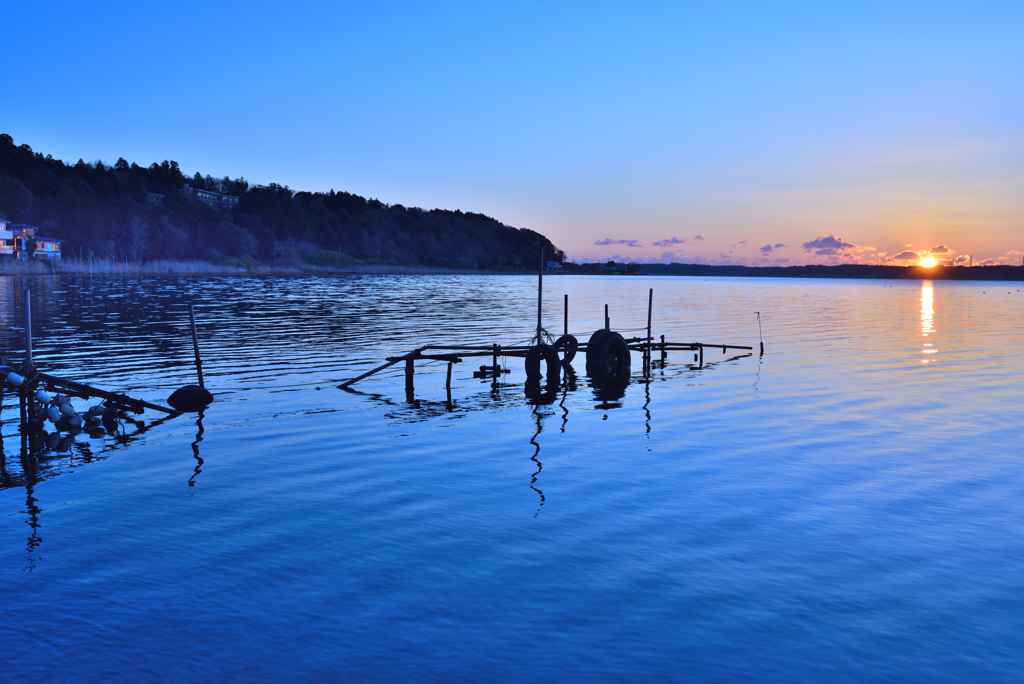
154	198
6	240
214	199
21	233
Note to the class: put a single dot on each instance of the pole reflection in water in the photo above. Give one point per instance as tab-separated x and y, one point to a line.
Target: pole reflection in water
34	539
647	404
536	453
757	375
195	449
927	317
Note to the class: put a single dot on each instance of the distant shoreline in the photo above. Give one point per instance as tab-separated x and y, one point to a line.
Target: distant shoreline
850	271
110	267
116	268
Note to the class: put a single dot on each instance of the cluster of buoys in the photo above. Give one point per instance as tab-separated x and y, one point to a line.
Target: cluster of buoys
59	411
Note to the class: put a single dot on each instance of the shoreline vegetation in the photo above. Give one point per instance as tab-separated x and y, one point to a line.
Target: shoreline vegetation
114	268
127	213
293	264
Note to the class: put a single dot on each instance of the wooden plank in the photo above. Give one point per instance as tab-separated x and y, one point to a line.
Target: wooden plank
136	405
378	369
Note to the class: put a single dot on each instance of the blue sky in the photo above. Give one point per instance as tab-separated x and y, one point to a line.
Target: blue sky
895	126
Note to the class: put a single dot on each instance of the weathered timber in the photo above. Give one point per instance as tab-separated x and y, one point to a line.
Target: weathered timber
85	391
378	369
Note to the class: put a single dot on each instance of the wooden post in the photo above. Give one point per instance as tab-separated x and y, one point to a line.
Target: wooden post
195	345
566	307
760	335
702	356
448	382
28	326
409	392
664	354
607	322
496	372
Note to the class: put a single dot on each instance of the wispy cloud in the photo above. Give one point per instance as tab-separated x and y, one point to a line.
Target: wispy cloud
742	242
828	245
941	249
903	256
698	238
767	249
779	246
610	241
670	241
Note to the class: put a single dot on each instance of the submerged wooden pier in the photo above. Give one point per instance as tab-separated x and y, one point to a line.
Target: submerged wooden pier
607	352
36	405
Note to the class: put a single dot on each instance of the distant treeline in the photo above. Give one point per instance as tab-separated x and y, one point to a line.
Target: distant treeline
842	271
103	210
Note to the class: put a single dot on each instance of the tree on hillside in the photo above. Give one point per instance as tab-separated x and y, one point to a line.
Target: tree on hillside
105	210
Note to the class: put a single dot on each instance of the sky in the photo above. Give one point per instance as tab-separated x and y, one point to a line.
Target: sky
743	132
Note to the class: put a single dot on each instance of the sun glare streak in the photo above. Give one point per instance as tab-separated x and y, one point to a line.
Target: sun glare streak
927	316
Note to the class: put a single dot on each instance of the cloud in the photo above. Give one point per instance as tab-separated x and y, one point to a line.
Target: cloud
1015	251
782	261
609	241
903	256
779	246
767	249
698	238
742	242
669	241
964	259
668	257
941	249
828	245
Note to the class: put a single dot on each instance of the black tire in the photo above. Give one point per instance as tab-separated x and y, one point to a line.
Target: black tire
567	346
592	346
547	353
608	356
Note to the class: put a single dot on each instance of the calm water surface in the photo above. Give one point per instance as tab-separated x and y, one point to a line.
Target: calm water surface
850	507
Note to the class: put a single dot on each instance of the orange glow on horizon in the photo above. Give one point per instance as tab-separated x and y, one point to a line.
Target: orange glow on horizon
929	262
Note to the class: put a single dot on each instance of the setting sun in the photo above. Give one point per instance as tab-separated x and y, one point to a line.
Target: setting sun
929	262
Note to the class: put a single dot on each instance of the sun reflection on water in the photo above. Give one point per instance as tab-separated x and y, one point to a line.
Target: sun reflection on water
927	316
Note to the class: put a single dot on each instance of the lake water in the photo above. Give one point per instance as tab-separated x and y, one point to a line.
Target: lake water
848	507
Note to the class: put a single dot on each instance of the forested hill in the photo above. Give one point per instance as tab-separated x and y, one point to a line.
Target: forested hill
103	210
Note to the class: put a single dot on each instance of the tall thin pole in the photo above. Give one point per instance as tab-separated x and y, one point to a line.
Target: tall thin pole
566	326
760	335
650	306
540	295
607	322
195	345
28	326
